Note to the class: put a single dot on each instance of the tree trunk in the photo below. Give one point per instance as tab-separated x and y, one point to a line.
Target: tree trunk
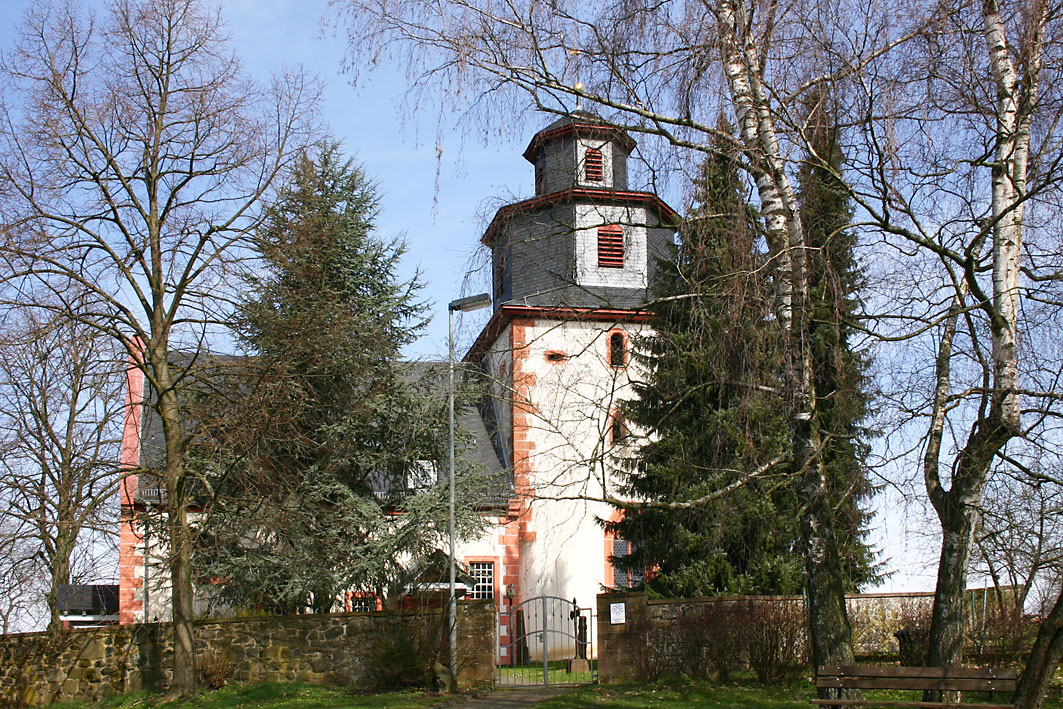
829	629
184	669
60	575
1044	659
958	523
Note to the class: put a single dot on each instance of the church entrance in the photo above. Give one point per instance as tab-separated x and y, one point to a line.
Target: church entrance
546	640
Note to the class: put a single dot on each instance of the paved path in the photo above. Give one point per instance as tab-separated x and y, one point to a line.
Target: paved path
513	697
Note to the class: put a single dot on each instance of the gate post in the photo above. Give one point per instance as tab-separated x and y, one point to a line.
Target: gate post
620	643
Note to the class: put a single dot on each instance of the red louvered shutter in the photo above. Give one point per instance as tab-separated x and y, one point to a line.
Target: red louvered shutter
594	167
611	246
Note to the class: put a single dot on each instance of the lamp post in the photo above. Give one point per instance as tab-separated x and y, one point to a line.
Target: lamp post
464	305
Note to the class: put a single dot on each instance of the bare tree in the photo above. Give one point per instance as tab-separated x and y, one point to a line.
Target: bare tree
950	121
706	57
136	155
60	428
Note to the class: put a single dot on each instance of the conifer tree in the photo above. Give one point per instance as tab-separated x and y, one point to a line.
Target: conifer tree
332	432
710	410
842	400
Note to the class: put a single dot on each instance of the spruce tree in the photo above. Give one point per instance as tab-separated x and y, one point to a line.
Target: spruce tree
331	432
711	410
839	371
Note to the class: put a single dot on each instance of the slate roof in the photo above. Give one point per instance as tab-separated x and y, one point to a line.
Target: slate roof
482	442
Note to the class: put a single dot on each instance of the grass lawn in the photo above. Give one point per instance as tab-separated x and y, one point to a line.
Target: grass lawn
741	693
744	692
533	674
276	696
677	693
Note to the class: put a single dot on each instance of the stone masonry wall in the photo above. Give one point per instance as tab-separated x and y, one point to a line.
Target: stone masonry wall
621	646
37	669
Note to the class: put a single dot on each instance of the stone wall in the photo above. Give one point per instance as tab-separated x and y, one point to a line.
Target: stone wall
37	669
624	647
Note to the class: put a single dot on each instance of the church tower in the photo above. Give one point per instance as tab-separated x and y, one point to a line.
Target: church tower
571	268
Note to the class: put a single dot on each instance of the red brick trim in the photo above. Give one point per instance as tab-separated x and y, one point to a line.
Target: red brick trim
130	559
609	578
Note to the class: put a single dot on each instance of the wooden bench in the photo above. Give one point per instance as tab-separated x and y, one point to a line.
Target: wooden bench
945	679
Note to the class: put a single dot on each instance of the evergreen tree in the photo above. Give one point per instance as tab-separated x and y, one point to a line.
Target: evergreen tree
710	409
333	434
842	400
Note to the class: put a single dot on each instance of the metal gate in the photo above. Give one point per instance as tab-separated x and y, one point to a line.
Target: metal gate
546	640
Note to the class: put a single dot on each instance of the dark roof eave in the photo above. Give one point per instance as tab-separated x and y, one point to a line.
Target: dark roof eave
603	129
669	217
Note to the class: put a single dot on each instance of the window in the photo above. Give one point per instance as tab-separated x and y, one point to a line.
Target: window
617	350
500	275
611	246
618	430
421	474
623	577
540	173
483	574
594	167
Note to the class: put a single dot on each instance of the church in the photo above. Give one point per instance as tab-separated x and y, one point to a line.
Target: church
571	269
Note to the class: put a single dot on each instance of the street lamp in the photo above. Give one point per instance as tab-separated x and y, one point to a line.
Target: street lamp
474	302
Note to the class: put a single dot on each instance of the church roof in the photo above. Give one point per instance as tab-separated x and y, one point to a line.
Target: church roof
579	122
481	448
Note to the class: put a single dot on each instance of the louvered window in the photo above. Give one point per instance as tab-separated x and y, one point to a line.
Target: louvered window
594	166
611	246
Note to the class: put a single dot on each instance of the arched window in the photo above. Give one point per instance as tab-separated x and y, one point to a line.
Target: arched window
618	430
594	166
611	246
617	349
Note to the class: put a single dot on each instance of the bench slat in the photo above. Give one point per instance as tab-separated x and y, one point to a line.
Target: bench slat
943	684
890	703
945	679
899	671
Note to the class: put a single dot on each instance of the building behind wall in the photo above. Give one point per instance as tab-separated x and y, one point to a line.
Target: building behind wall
571	269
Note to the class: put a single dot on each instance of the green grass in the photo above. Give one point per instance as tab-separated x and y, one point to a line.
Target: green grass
276	696
744	692
676	693
533	674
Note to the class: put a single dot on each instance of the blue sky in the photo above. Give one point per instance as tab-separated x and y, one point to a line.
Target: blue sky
441	222
442	218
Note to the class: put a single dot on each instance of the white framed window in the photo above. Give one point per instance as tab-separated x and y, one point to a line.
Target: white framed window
483	575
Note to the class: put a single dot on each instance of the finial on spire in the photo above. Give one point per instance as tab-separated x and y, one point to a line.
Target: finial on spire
579	98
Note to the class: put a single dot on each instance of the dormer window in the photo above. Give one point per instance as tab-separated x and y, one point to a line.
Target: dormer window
611	246
594	166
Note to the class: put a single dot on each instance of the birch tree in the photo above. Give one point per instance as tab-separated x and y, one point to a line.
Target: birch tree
949	116
705	57
135	155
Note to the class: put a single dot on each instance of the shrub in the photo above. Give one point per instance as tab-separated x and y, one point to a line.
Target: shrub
1003	637
214	667
774	635
406	655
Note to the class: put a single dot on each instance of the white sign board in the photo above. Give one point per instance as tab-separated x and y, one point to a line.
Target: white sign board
617	613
